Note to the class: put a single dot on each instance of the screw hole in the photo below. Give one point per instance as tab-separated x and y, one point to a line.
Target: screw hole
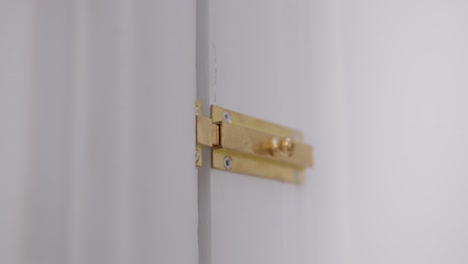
227	117
227	162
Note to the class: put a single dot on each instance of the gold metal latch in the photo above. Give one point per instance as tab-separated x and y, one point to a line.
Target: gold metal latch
248	145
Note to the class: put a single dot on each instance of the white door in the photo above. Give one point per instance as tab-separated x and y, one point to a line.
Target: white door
380	90
268	59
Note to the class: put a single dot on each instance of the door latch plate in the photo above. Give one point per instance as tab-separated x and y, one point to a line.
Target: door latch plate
252	146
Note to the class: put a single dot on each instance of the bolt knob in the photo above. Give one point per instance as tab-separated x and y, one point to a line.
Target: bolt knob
287	146
273	146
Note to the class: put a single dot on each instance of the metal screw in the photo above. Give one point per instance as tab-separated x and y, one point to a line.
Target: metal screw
227	162
227	117
197	155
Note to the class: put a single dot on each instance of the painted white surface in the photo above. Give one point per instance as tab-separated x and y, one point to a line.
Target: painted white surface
15	89
407	102
87	173
97	147
274	60
379	88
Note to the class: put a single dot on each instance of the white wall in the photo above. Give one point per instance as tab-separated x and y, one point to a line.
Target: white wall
15	88
96	143
391	99
406	90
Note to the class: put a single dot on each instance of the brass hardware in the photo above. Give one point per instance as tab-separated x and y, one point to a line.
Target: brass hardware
252	142
272	146
287	146
276	147
248	145
205	132
198	131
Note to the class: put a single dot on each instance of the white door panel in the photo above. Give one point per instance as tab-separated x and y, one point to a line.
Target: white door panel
257	57
379	89
406	78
